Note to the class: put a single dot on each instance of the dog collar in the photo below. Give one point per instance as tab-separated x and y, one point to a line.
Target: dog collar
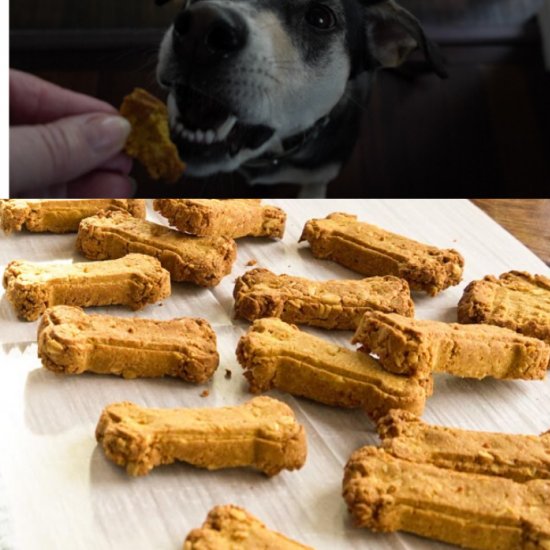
291	146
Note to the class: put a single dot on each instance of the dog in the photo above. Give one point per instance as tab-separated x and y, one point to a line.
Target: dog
274	89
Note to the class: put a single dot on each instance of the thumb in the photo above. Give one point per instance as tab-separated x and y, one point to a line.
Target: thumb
63	150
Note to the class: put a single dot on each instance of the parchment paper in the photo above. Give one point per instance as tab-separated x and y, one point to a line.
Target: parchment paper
61	492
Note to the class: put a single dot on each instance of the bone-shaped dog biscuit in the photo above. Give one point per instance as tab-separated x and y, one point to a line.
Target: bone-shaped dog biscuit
275	354
516	300
59	216
384	493
262	433
370	250
134	280
200	260
328	304
408	346
233	218
71	342
230	527
514	456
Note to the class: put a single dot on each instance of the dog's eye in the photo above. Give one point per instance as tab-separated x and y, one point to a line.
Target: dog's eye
320	16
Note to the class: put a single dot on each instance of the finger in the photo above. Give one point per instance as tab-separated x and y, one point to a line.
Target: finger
101	185
96	185
120	163
36	101
62	151
53	192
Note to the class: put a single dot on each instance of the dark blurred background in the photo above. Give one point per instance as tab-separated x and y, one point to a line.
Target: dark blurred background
483	132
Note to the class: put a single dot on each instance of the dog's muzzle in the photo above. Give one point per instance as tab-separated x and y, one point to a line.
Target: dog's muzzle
204	125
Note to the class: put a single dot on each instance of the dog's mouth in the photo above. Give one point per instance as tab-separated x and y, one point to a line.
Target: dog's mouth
205	129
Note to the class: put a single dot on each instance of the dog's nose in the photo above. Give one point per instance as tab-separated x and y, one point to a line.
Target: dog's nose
205	34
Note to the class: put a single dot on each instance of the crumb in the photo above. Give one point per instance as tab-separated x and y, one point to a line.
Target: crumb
250	263
228	374
205	393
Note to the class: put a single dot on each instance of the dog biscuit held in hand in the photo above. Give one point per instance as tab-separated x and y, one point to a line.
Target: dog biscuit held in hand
71	342
414	346
233	218
327	304
59	216
387	494
370	250
516	300
262	433
517	457
277	355
230	527
203	261
134	280
149	141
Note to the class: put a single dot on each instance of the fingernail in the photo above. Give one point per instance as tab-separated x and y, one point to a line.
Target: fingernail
107	133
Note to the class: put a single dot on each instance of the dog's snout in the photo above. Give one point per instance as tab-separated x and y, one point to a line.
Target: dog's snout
205	33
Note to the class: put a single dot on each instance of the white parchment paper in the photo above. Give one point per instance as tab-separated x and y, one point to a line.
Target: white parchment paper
61	492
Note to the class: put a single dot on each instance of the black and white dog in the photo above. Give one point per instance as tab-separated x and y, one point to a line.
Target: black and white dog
274	88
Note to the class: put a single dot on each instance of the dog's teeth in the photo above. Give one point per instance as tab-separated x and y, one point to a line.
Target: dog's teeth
223	131
209	136
205	136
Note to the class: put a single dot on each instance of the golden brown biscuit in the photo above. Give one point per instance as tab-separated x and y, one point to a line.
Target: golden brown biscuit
59	216
277	355
149	140
413	346
384	493
262	433
370	250
230	528
516	300
71	342
518	457
233	218
326	304
134	280
200	260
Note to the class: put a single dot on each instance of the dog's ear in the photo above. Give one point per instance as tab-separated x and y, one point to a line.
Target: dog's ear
393	34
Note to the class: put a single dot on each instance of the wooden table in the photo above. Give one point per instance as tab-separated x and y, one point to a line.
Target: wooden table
527	220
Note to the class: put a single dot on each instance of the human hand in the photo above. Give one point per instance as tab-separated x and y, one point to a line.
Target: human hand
65	144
